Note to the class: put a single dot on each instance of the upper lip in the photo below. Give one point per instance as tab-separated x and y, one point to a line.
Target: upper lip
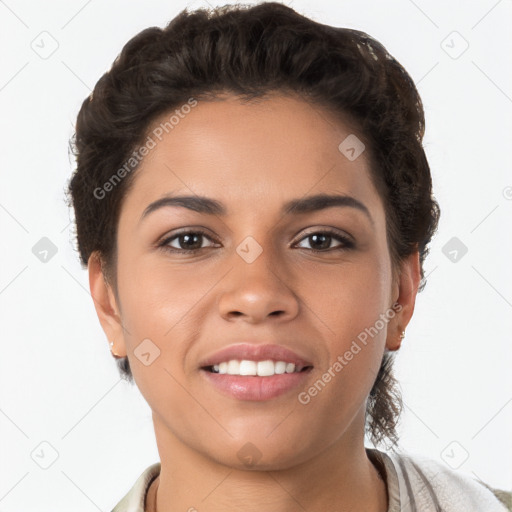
256	352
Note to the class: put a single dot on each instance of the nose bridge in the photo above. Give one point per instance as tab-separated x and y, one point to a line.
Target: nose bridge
256	262
257	287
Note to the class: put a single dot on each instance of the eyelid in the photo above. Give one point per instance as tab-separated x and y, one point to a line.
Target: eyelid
164	240
186	229
346	241
329	230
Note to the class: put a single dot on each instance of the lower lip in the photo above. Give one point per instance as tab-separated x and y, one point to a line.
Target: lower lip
253	387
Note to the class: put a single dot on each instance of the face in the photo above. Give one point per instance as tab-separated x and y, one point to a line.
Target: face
300	286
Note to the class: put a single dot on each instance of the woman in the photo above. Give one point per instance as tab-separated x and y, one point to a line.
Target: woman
254	207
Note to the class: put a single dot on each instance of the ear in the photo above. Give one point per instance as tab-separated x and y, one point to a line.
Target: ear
404	293
106	305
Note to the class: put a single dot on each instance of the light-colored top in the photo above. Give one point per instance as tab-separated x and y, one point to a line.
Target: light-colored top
414	484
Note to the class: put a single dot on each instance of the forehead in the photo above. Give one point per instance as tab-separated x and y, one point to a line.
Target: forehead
248	154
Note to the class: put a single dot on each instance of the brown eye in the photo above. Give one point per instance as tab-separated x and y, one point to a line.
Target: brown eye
321	241
186	241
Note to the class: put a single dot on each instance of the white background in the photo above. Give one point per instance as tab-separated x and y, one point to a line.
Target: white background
58	382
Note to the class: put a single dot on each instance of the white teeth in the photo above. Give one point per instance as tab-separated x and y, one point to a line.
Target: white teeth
248	368
233	367
280	367
265	368
259	368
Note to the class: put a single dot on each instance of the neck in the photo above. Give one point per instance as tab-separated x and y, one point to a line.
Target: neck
189	481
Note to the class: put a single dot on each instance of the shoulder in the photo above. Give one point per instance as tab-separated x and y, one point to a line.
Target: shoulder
434	486
134	500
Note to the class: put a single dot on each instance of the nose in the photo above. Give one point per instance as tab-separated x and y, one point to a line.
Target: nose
256	291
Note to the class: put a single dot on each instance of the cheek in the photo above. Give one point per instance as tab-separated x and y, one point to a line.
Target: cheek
353	309
349	298
158	308
351	306
157	297
160	303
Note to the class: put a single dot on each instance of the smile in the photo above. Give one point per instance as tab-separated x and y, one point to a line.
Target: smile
255	368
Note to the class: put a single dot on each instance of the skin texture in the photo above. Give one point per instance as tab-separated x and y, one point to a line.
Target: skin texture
253	158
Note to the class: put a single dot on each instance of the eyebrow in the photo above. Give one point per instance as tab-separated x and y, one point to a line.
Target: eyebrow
303	205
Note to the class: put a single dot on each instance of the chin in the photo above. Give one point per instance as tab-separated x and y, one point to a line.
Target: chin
260	455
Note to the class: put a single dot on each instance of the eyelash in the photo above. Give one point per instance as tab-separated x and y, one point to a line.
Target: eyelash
347	244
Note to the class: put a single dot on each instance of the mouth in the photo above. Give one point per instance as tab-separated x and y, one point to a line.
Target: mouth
236	379
250	368
255	372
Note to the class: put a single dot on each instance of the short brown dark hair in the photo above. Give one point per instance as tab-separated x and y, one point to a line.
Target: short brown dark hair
252	52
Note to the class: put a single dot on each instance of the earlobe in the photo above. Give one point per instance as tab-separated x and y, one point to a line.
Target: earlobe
408	285
105	304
